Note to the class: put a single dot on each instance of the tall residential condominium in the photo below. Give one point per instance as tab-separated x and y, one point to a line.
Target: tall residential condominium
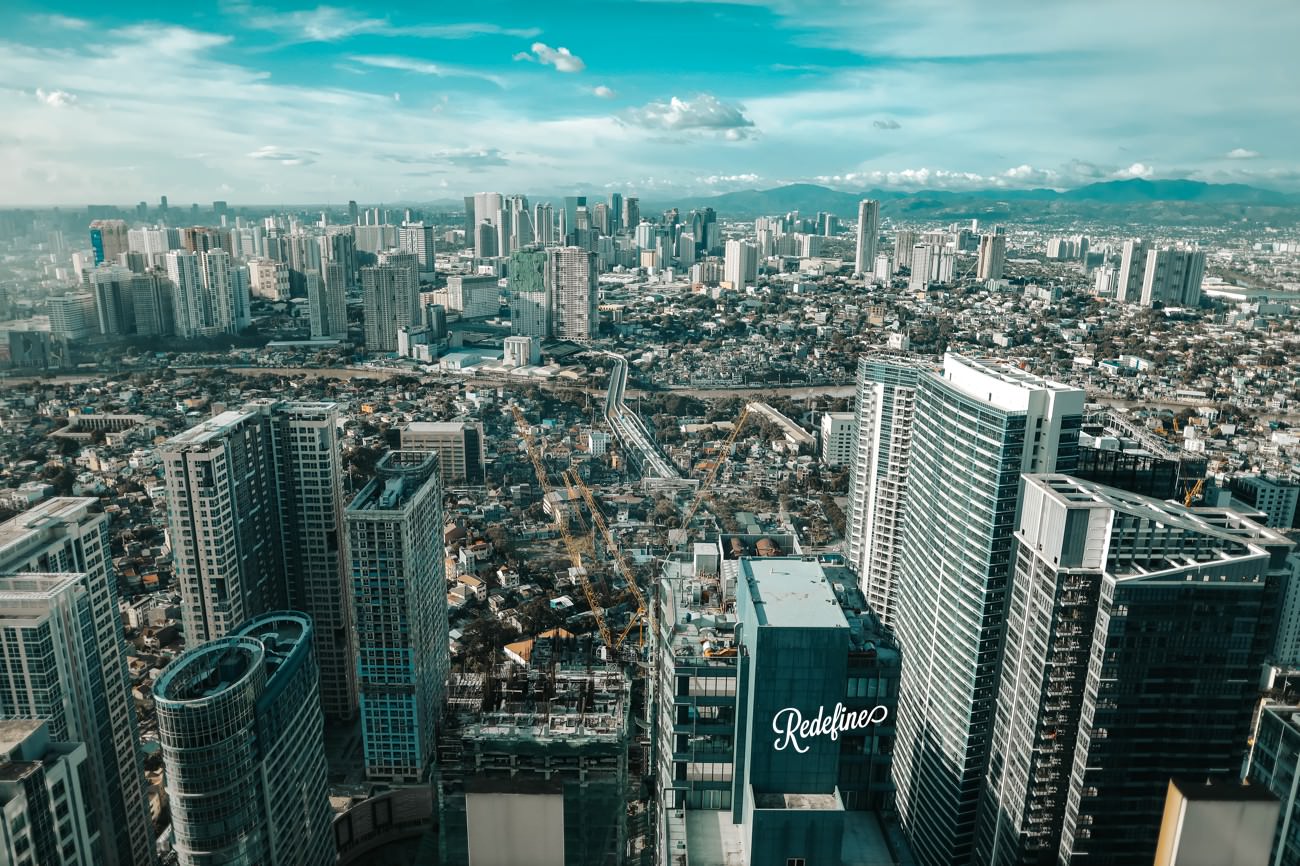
992	261
308	459
904	243
254	505
487	209
1136	631
544	223
1275	766
977	426
391	300
243	747
1132	271
108	238
203	302
864	257
530	308
43	789
458	444
417	239
223	522
739	265
112	286
615	213
879	460
930	263
571	279
73	316
399	602
64	660
1173	277
327	302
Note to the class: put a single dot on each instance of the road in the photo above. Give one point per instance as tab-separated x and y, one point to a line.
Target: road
628	426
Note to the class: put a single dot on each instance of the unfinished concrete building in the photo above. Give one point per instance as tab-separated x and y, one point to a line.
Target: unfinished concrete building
533	768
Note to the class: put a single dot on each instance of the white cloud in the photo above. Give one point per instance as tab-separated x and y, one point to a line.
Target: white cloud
561	58
1136	170
423	67
715	180
1242	153
55	98
62	22
284	157
603	92
886	124
332	24
703	112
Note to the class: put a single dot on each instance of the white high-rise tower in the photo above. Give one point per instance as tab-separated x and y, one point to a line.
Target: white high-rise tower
868	235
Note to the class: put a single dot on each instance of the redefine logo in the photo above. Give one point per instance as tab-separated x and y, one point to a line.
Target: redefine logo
792	728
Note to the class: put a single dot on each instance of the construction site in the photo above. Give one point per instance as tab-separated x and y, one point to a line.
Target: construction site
542	763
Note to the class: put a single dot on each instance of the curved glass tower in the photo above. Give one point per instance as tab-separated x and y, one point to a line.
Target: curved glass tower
241	730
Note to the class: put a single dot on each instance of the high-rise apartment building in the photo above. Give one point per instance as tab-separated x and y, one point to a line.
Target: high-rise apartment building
879	459
1120	605
992	256
530	313
571	280
64	660
1172	277
43	788
458	444
1275	766
868	235
631	212
399	600
417	239
391	300
255	512
73	316
243	746
327	303
112	286
615	209
108	238
203	300
740	265
487	209
223	521
976	427
1132	271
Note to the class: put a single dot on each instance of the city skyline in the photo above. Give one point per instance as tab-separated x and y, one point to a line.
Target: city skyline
328	103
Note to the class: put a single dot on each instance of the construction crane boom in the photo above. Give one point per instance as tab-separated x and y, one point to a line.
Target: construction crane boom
1193	493
706	486
598	518
561	521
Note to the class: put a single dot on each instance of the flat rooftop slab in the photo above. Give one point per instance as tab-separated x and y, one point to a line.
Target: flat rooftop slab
792	593
712	840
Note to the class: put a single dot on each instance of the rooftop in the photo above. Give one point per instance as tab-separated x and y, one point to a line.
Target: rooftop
792	593
398	477
213	428
25	527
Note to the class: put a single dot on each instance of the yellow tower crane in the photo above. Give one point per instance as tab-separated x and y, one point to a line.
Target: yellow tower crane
574	547
642	613
1193	493
706	486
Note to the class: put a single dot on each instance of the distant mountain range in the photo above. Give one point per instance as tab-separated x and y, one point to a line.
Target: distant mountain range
1157	201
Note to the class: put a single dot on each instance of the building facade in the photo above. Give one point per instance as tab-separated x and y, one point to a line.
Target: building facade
458	444
1119	601
571	281
243	747
868	235
399	597
43	787
59	615
977	426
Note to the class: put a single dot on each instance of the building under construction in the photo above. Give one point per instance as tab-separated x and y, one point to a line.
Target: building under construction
527	750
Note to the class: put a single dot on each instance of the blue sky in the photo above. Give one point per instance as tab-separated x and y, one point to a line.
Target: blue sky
281	103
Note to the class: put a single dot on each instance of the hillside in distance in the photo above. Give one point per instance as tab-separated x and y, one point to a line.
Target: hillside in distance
1164	202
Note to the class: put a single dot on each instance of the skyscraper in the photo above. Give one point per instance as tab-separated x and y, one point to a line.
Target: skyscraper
631	212
114	299
108	238
1132	270
223	519
976	427
151	303
417	239
530	308
395	563
868	234
1172	277
327	304
391	300
992	256
64	662
43	785
1120	606
487	208
879	461
615	213
353	213
458	444
904	244
571	278
740	267
243	746
544	223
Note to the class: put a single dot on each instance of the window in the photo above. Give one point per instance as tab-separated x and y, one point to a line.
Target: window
795	861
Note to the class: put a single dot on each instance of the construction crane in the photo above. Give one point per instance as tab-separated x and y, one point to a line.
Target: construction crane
561	521
706	486
598	518
1193	493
